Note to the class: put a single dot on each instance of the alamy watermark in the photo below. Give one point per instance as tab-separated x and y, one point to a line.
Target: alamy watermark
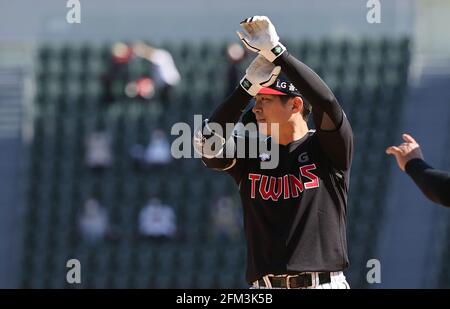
374	274
374	14
210	140
74	273
73	16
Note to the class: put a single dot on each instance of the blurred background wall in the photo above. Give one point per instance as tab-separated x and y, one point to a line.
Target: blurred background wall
197	20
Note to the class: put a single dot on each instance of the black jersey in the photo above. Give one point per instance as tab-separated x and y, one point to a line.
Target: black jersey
294	214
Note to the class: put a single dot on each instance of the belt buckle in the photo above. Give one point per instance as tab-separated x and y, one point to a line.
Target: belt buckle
288	282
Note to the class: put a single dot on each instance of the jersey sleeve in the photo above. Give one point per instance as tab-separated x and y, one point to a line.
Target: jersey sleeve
338	144
230	164
433	183
333	129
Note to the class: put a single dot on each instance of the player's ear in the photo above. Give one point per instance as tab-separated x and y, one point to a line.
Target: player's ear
297	105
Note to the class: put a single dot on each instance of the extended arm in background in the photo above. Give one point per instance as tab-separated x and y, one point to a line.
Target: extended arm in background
433	183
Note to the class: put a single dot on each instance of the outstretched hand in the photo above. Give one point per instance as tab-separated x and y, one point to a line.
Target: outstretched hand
405	152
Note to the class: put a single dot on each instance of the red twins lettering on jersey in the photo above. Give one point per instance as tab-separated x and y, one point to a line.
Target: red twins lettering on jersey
270	187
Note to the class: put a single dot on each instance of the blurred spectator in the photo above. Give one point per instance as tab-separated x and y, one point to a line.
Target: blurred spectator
158	150
98	150
93	221
225	219
161	76
157	220
117	73
143	88
235	55
121	53
156	153
166	72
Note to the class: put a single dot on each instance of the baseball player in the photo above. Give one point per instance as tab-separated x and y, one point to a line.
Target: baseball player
434	184
295	213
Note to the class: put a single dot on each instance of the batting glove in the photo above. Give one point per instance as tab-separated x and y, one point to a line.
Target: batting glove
260	73
261	37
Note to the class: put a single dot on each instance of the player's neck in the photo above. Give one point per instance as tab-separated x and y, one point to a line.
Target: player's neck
291	131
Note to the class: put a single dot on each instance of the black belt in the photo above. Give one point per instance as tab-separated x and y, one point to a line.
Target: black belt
295	281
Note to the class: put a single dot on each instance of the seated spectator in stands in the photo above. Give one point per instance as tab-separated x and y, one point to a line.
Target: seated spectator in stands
93	222
143	88
226	220
434	184
162	73
117	72
157	152
157	220
165	74
98	150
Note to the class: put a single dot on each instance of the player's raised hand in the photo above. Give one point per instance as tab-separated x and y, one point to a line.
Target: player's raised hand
261	37
260	73
409	150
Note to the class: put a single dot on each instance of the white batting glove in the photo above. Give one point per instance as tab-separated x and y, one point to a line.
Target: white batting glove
260	73
261	37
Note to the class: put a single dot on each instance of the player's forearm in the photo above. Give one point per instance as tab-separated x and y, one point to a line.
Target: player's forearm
231	109
210	140
312	87
433	183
